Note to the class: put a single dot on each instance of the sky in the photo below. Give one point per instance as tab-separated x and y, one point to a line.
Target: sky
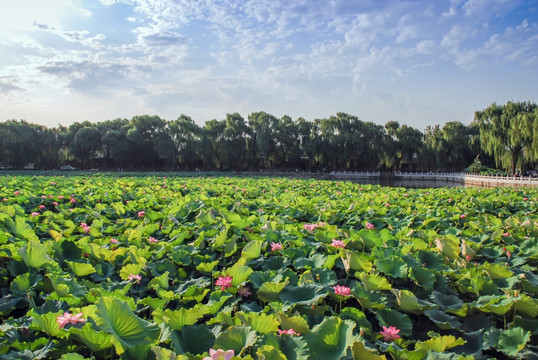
417	62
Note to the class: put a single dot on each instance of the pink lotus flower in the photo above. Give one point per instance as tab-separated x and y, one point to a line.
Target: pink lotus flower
224	282
67	318
4	199
468	257
114	241
390	334
85	227
60	197
288	332
35	213
73	201
337	244
141	213
312	227
342	290
508	253
135	278
17	192
243	291
219	355
462	216
370	226
387	204
54	203
525	199
43	197
506	234
152	240
276	246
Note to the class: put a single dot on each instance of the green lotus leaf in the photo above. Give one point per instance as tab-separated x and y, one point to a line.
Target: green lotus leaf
297	323
390	317
394	267
374	282
424	278
81	269
193	339
252	250
127	329
330	339
513	340
354	261
235	338
499	305
231	247
176	319
497	271
166	354
527	324
361	353
48	324
408	302
94	340
358	316
443	320
309	294
21	229
205	218
207	267
34	254
72	356
269	352
369	299
261	323
439	343
450	303
448	247
239	273
526	305
24	282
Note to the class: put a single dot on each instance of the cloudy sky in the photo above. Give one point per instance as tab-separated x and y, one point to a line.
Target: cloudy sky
418	62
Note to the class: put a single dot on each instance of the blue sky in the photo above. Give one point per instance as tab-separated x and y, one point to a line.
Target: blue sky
417	62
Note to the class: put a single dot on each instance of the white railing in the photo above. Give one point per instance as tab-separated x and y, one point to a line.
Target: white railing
456	176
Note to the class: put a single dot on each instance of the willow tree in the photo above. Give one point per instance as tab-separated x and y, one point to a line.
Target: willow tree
507	133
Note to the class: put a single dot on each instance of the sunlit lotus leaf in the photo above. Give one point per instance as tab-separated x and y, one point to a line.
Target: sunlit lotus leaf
235	338
94	340
127	329
269	352
448	247
72	356
24	282
231	246
176	319
270	291
80	269
297	323
130	269
499	305
354	261
497	271
374	282
252	250
205	218
439	343
166	354
207	267
21	229
330	339
34	254
48	324
526	305
408	302
361	353
239	273
261	323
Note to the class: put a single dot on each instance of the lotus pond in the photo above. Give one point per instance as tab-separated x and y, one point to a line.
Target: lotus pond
105	267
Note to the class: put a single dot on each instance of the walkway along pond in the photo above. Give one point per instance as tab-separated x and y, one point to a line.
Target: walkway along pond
459	179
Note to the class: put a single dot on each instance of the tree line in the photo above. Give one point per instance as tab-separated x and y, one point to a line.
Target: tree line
503	136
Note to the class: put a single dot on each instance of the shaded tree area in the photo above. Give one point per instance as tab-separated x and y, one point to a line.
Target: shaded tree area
501	135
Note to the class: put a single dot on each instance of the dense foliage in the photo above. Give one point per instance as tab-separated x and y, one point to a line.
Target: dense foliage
176	268
263	141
